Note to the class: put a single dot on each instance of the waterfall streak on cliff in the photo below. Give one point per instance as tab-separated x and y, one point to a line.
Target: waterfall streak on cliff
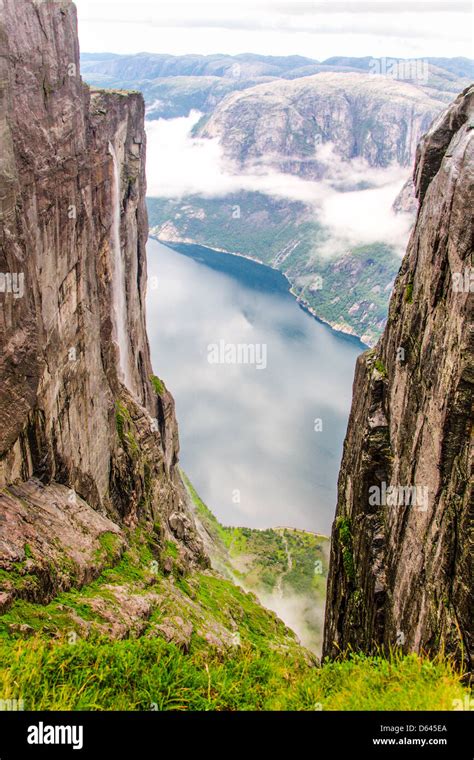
118	282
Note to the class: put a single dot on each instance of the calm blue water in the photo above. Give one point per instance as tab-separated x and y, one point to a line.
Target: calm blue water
248	438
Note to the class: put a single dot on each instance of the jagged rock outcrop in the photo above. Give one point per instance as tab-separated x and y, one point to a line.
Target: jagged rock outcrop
280	123
78	402
400	570
406	202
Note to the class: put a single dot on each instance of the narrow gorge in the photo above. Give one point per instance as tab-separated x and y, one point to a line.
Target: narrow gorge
119	589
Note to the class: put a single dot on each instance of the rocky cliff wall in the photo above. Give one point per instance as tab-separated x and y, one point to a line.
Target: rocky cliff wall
79	408
400	570
281	123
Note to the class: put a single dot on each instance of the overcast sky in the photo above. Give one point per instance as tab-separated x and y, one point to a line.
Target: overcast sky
405	28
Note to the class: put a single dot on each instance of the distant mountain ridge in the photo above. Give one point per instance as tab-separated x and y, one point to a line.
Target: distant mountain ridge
162	64
271	114
282	122
210	78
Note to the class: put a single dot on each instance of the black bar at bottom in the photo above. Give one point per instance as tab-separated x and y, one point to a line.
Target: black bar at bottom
133	735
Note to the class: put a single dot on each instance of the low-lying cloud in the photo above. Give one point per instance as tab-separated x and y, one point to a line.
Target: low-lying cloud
232	414
180	165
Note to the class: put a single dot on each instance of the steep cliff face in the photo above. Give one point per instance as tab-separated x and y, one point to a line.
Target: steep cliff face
400	564
363	116
83	421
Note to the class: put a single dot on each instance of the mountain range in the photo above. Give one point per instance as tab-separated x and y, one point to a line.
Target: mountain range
340	127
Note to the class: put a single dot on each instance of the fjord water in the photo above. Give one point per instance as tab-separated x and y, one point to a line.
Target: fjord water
251	441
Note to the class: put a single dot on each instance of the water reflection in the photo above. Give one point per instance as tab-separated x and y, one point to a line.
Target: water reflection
250	439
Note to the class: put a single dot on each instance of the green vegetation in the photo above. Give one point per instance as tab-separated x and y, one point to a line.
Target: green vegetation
380	367
122	415
344	535
109	543
124	425
286	568
409	293
107	646
152	674
259	558
355	283
171	549
250	223
158	385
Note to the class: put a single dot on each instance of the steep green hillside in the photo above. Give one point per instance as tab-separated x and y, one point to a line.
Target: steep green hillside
266	560
286	568
250	223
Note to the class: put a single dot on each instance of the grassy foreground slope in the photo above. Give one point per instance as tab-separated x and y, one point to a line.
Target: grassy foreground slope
152	674
144	637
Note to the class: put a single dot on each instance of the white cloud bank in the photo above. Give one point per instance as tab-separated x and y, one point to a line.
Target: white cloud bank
180	165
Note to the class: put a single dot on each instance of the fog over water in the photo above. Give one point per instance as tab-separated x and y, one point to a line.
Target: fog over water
248	438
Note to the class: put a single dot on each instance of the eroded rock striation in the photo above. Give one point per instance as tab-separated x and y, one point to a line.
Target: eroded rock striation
83	418
400	570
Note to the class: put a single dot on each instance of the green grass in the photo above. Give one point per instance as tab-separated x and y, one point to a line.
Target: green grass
380	367
240	656
257	665
60	614
153	674
158	385
171	549
109	543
